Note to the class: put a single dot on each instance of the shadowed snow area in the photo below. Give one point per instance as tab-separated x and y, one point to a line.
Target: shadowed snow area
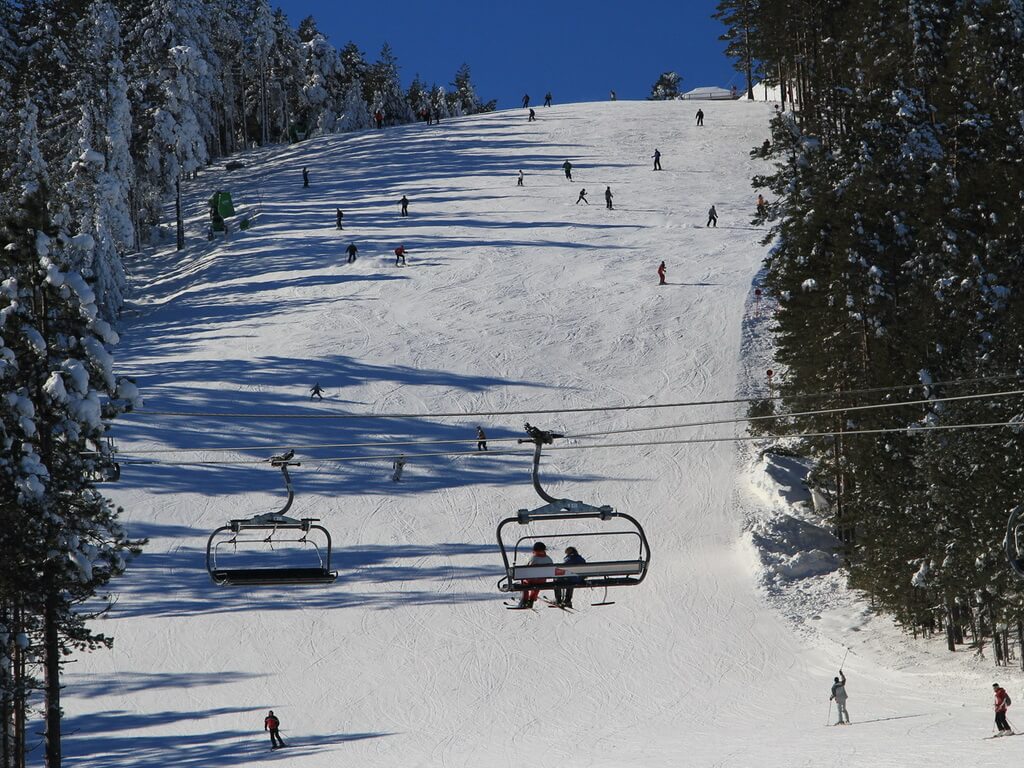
514	298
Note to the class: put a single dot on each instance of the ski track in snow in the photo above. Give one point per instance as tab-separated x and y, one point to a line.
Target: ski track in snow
512	298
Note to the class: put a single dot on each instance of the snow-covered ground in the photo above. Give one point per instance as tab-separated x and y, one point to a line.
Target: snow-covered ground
514	298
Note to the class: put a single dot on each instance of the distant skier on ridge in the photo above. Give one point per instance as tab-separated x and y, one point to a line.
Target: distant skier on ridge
547	99
526	100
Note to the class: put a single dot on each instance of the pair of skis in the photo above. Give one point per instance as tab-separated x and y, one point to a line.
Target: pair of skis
550	604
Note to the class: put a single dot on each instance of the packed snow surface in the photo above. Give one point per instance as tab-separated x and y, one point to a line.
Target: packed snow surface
514	298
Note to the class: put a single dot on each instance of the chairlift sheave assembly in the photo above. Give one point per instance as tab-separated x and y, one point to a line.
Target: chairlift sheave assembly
263	532
594	574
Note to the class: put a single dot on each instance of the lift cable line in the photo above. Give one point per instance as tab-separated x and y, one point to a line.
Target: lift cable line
916	430
556	411
581	436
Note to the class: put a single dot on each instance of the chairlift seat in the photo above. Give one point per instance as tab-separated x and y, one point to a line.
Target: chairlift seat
255	577
571	573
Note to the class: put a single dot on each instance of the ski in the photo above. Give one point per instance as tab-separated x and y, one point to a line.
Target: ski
518	607
552	604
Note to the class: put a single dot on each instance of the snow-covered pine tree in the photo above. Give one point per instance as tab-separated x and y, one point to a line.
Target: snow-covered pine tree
322	87
387	89
739	17
665	87
462	100
355	114
63	543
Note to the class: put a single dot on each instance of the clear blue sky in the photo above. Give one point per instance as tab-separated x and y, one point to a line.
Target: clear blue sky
578	51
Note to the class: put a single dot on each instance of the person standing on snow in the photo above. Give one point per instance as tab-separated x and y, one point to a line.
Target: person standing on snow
404	202
608	198
657	160
762	205
519	181
583	197
317	392
1001	704
481	439
305	176
567	167
526	100
400	255
563	597
712	218
661	274
532	117
351	251
547	99
398	465
338	216
700	117
272	724
840	697
539	557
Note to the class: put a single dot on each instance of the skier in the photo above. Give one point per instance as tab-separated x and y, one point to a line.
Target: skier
519	181
839	695
1001	703
563	597
661	274
539	557
532	117
583	197
608	198
317	392
378	118
526	100
338	216
766	147
700	117
612	95
762	205
398	465
272	724
400	255
351	251
481	439
305	176
712	218
657	160
547	99
404	202
567	167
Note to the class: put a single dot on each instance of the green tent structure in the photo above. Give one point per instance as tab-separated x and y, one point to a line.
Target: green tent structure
220	208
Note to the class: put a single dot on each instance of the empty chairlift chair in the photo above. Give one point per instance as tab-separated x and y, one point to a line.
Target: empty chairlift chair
628	569
271	549
1014	541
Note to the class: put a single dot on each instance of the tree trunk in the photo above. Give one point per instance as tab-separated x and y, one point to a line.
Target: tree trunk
1020	641
51	669
950	632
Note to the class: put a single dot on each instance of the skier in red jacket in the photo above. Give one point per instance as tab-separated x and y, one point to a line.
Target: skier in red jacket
271	723
661	274
1001	703
400	255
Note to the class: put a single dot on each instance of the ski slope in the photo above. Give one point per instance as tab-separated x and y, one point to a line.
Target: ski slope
514	298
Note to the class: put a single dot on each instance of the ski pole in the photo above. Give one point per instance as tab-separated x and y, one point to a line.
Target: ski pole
843	664
828	717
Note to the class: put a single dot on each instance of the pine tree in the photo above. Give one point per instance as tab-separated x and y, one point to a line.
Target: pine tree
666	87
740	20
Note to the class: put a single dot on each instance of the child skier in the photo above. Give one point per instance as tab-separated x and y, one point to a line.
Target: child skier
1001	704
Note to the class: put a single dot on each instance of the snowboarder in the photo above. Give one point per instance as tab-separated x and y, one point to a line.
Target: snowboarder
532	117
338	216
661	274
563	597
481	439
608	197
272	724
1001	703
519	181
712	218
567	167
305	176
351	251
700	117
404	202
317	392
839	696
583	197
400	255
762	205
657	160
526	100
547	99
539	557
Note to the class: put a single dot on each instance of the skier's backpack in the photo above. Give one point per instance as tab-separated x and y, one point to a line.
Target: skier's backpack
1006	699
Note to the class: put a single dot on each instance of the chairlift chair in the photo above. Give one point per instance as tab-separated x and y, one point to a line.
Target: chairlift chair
264	532
1014	542
519	577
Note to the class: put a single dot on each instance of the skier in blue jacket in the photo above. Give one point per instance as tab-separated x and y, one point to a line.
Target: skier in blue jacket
563	596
